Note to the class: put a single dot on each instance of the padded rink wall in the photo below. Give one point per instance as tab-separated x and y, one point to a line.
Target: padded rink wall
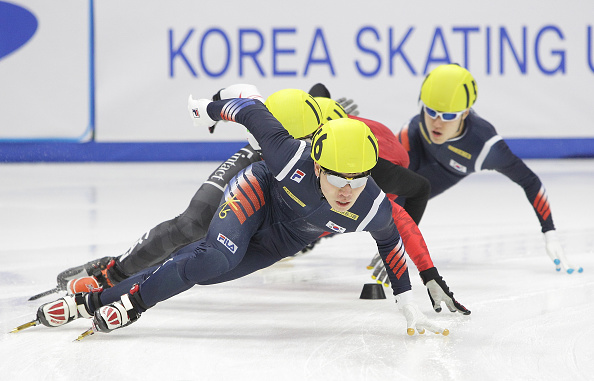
109	80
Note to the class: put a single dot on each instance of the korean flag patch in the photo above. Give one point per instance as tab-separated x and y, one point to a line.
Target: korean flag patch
457	166
339	229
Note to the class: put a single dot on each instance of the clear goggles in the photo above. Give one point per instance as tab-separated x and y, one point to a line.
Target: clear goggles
340	181
445	116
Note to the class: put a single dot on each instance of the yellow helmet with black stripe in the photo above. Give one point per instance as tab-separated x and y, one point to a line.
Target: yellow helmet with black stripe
296	110
330	109
449	88
345	146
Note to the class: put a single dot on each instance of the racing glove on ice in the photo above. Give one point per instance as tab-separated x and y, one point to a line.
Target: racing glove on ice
439	292
415	319
557	255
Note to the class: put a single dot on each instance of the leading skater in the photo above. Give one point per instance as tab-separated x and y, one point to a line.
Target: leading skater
299	113
270	211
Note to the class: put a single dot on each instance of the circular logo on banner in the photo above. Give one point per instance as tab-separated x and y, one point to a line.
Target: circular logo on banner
17	26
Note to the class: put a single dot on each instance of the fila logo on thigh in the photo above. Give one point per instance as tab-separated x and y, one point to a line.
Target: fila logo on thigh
227	242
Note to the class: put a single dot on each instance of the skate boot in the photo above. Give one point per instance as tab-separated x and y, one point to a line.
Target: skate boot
84	284
103	275
68	308
92	268
119	314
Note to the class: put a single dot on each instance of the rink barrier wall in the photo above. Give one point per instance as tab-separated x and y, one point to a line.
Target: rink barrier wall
219	151
541	62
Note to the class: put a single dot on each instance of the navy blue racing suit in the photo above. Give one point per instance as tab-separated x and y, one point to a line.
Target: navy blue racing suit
478	148
269	211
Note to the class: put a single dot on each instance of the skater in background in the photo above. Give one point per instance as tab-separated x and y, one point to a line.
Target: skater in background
448	141
271	210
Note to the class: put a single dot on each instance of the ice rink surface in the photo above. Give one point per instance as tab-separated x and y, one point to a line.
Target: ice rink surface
302	319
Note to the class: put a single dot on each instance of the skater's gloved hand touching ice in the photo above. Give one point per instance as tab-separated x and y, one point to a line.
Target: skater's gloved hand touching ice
437	288
415	319
556	253
439	292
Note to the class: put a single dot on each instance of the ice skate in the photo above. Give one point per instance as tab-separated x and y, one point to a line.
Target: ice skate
67	309
117	314
62	311
93	268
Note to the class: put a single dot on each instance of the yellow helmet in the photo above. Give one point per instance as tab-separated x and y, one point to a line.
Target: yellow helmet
297	111
449	88
330	109
345	146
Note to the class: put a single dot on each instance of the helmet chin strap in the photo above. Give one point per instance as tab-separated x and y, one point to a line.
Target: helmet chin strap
319	174
460	127
323	196
424	126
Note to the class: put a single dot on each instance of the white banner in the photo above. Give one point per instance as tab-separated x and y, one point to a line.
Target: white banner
44	69
533	62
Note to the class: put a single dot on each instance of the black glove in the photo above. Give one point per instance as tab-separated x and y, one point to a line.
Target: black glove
439	292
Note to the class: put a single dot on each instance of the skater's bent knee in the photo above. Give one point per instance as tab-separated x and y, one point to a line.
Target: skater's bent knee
206	265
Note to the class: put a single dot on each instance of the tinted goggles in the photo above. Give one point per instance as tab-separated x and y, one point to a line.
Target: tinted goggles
445	116
340	181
